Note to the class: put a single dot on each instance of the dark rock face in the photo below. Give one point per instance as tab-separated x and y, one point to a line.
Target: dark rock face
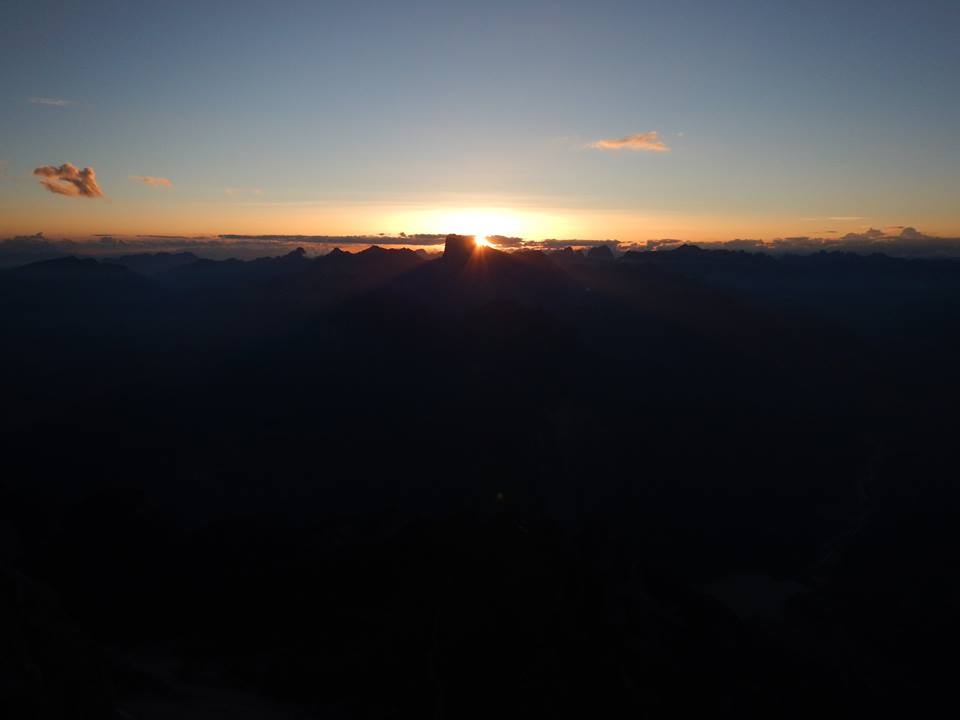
601	252
458	248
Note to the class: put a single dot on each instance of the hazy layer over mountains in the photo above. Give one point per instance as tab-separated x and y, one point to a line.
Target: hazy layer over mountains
895	241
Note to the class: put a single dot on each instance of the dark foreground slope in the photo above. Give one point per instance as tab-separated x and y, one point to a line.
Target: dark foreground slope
373	485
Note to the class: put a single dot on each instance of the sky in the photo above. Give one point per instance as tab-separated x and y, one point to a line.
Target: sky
692	119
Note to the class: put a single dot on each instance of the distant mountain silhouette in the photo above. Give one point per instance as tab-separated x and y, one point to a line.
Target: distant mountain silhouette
26	249
65	266
568	254
206	274
152	263
64	283
340	275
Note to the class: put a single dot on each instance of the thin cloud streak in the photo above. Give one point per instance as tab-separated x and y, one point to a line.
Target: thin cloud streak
151	180
381	239
69	180
49	102
638	142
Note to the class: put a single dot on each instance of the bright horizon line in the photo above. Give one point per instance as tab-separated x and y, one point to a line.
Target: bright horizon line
841	228
929	230
103	243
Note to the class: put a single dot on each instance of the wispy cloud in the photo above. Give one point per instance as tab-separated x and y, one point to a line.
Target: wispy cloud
555	244
50	102
638	142
379	239
69	180
151	180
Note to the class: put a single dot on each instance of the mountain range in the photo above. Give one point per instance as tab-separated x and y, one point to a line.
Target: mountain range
554	481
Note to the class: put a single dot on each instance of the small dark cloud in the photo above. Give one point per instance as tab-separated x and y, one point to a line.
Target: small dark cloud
69	180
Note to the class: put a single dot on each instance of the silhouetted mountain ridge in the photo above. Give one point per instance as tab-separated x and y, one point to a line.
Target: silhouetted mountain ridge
552	481
152	263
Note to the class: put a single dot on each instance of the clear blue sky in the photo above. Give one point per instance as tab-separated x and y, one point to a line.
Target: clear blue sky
780	117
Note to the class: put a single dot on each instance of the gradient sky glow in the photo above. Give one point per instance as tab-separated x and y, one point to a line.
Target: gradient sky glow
781	118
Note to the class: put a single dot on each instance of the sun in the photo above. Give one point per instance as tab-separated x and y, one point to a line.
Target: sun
483	224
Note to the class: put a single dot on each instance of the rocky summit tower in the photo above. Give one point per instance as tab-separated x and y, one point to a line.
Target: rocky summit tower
458	248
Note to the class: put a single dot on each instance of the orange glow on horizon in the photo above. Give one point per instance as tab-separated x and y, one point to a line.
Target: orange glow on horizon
25	212
480	222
